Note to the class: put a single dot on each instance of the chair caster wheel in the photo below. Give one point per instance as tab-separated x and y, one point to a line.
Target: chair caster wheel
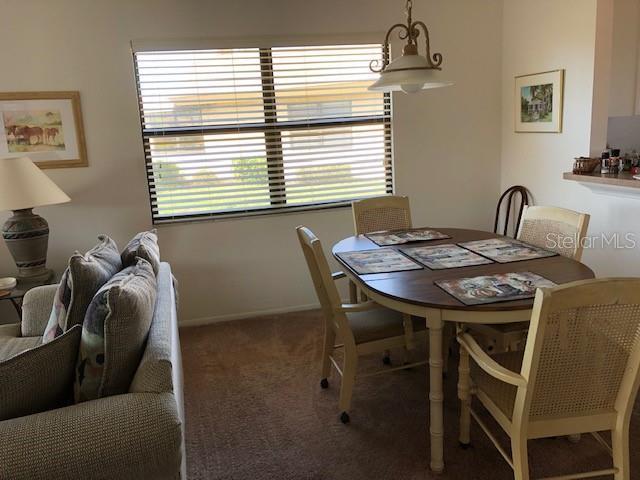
344	417
386	360
464	446
324	383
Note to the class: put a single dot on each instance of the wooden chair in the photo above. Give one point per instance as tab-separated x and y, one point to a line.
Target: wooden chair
556	229
551	228
375	214
389	212
510	197
360	329
381	213
579	373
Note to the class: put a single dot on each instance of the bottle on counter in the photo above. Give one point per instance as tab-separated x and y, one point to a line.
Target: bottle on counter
605	166
626	162
635	163
614	161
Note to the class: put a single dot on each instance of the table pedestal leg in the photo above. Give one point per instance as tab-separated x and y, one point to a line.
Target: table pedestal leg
436	396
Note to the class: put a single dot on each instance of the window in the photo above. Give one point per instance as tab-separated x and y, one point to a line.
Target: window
260	130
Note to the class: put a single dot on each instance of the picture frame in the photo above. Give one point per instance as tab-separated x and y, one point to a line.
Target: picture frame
539	102
45	126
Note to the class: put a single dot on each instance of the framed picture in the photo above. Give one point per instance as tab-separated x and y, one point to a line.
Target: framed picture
45	126
538	102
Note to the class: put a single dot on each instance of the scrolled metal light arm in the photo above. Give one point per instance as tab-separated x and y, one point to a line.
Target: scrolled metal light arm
434	60
410	32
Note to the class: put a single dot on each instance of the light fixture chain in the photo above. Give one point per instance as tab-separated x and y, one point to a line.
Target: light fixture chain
410	20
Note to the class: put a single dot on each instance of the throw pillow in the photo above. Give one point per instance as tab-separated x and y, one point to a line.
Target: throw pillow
79	283
114	333
39	379
143	245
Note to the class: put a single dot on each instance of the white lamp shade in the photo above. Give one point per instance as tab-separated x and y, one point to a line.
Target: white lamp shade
24	185
408	74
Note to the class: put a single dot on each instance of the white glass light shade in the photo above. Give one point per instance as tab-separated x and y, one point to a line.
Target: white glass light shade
24	185
408	74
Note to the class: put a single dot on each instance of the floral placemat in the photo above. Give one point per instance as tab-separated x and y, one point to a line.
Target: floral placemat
506	251
440	257
494	288
381	260
399	237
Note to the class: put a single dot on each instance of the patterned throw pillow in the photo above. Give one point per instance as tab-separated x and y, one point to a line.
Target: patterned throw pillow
39	379
143	245
114	333
79	283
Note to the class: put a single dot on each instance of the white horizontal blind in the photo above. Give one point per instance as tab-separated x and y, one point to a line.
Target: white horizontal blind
258	130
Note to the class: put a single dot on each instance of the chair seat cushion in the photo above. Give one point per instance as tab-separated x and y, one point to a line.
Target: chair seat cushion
506	328
13	346
500	337
501	393
379	323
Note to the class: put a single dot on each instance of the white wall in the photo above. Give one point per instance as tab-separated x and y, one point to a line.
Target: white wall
624	57
446	141
624	125
624	133
567	40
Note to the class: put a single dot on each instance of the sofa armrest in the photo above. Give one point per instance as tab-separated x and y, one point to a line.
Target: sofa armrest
10	330
132	436
36	309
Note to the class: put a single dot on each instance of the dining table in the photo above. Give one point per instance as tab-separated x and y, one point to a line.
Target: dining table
414	292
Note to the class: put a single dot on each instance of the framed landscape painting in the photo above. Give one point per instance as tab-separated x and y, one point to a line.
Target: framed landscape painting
538	102
44	126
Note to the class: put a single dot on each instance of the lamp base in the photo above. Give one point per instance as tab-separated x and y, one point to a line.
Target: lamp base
27	237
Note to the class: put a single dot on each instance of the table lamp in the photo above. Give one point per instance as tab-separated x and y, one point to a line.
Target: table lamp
23	186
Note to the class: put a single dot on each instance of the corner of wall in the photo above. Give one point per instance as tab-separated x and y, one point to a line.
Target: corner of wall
601	76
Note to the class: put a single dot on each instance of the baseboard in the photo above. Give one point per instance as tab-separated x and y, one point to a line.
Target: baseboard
197	322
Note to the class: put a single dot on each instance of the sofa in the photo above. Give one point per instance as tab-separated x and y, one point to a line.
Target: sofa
137	435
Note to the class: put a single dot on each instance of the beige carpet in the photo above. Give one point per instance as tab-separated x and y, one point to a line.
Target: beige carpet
255	410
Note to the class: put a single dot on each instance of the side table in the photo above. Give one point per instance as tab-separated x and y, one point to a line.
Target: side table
16	295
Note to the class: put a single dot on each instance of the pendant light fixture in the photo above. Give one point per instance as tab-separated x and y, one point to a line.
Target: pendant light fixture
411	72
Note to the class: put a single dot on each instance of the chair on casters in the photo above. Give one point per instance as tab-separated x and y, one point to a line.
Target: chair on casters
361	328
375	214
579	373
551	228
389	212
381	213
510	197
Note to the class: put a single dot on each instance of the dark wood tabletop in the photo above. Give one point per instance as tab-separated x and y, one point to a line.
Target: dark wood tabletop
417	286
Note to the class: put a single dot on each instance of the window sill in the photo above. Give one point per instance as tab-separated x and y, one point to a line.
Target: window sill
251	214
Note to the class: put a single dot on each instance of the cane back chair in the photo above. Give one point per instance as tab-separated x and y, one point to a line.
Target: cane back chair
361	329
552	228
579	373
388	212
